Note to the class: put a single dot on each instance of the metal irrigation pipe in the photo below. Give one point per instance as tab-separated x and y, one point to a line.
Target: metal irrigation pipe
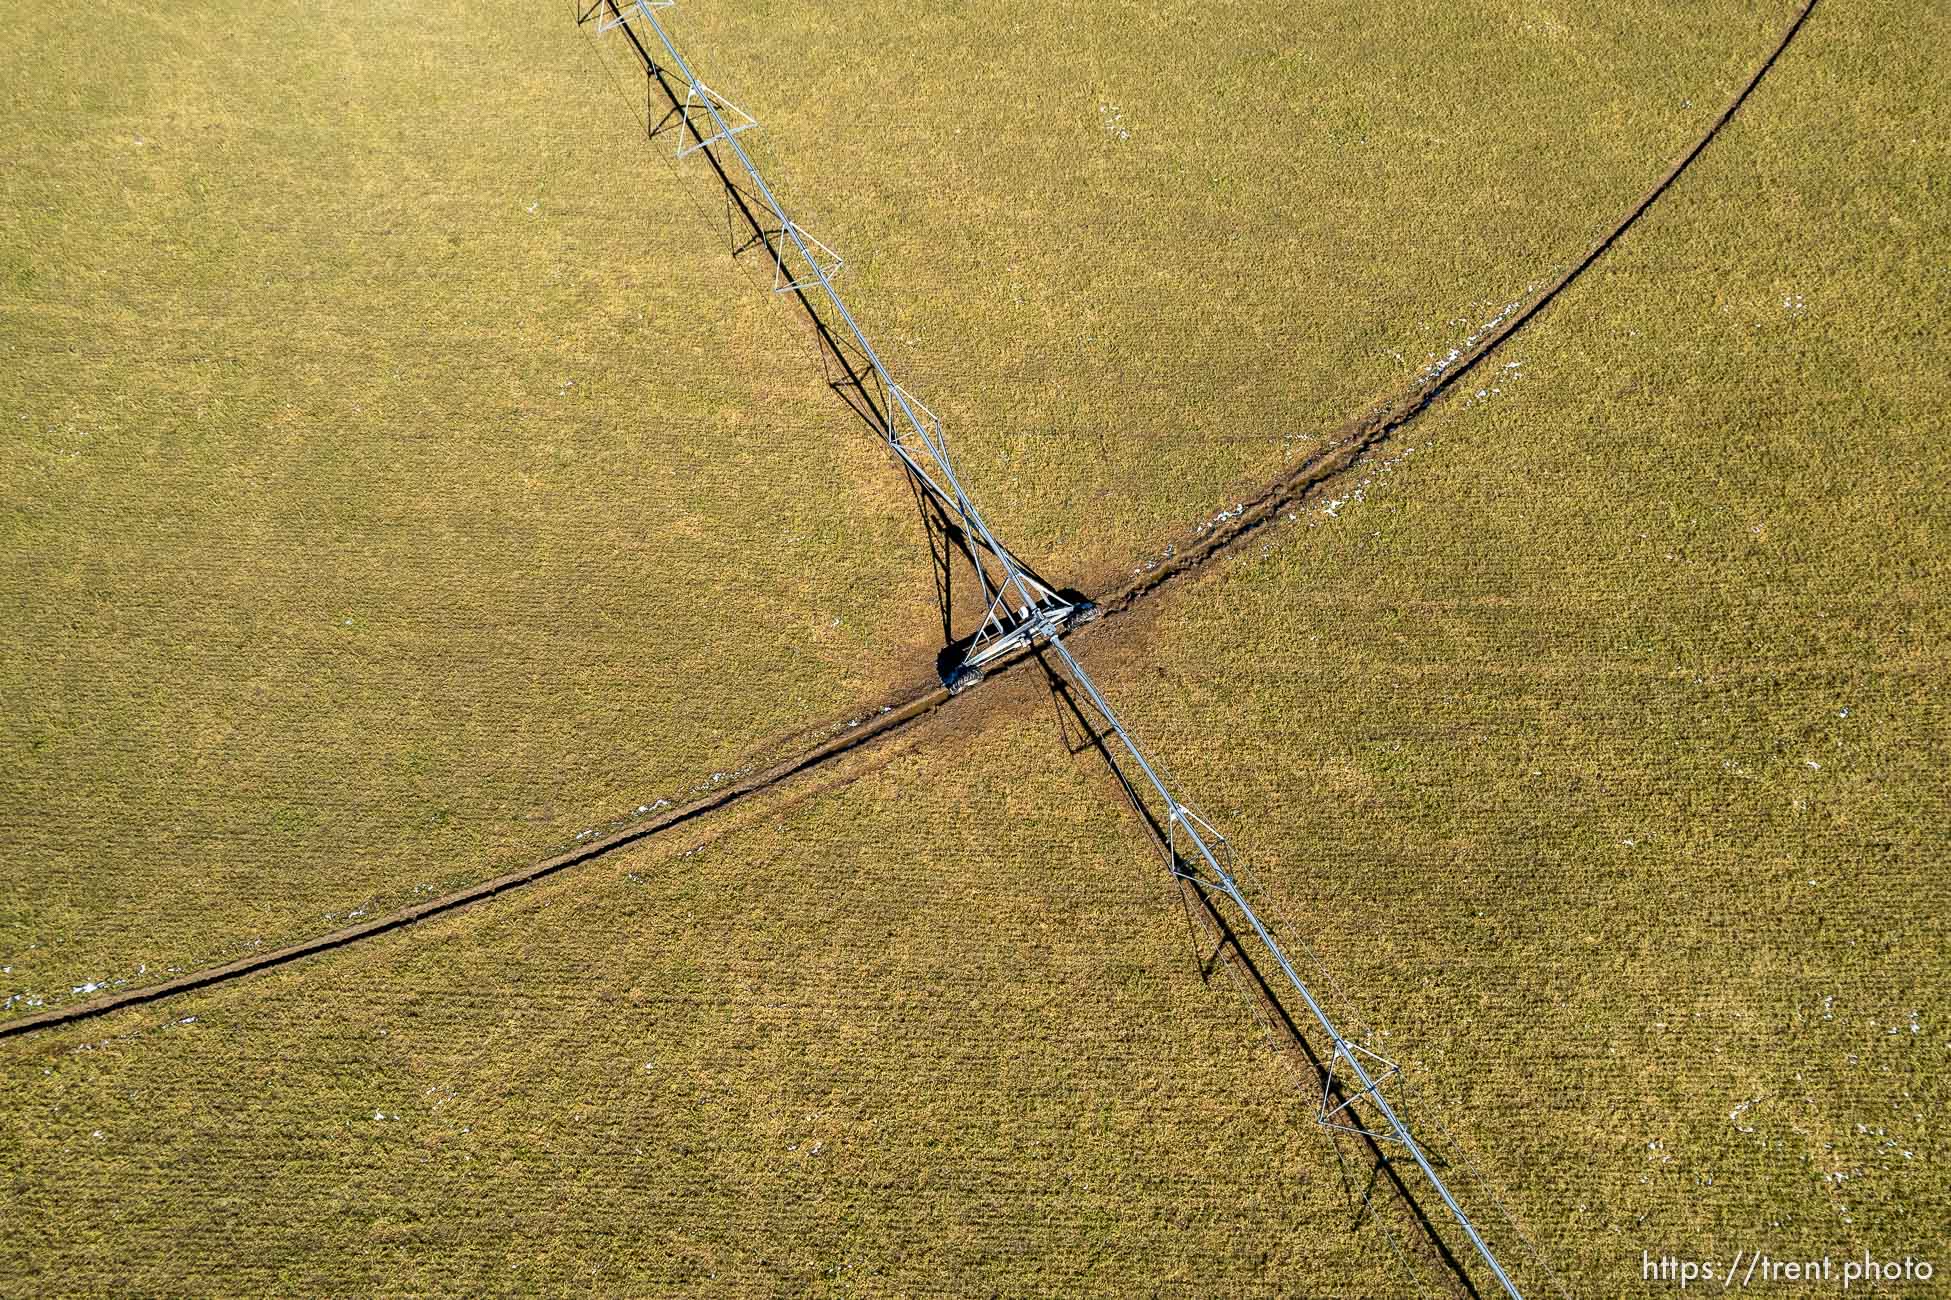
938	453
1182	818
1179	817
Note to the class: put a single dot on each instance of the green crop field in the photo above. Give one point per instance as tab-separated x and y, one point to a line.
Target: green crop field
404	481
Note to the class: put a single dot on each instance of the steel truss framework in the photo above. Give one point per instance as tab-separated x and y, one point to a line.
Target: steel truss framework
1022	611
1019	608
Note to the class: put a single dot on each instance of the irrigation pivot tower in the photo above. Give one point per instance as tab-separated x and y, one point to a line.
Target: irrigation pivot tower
1019	608
1022	610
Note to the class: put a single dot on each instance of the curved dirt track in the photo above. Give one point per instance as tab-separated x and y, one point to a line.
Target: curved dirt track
1296	486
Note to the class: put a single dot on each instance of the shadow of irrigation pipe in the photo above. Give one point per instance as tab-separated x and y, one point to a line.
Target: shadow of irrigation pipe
1288	1038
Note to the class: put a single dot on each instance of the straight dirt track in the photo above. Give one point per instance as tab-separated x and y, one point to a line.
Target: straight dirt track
1296	486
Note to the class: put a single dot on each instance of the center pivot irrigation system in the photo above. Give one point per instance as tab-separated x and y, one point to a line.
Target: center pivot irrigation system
1022	611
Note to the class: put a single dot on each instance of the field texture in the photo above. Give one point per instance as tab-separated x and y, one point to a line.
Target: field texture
380	512
408	482
1589	732
1597	728
1137	254
868	1044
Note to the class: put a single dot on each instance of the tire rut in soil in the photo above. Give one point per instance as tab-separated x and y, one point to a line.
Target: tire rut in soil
1347	448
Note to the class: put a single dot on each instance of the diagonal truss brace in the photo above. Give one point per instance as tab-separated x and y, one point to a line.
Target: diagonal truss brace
1342	1116
822	263
724	118
618	17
